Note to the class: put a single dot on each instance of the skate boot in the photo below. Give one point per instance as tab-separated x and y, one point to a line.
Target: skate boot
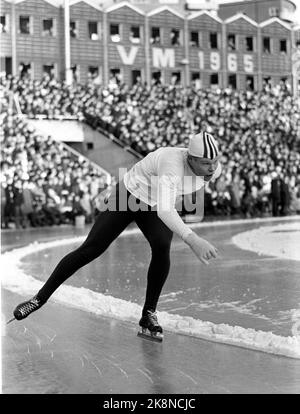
26	308
150	327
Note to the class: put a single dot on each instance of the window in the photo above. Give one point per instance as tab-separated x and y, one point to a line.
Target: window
93	30
3	24
267	81
49	69
194	39
175	37
214	79
24	69
24	24
232	81
175	78
8	65
195	76
266	45
156	77
94	74
115	33
231	42
93	71
48	27
75	72
196	80
73	29
155	35
283	46
115	75
250	83
213	40
115	72
135	36
273	12
136	76
90	146
249	44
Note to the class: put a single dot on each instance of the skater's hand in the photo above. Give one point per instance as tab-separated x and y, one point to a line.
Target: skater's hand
202	248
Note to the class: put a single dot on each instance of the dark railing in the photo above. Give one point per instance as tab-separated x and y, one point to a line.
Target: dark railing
104	128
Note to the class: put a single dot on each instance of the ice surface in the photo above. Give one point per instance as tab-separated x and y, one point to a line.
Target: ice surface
15	280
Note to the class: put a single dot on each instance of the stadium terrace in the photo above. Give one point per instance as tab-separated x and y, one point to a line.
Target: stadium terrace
166	43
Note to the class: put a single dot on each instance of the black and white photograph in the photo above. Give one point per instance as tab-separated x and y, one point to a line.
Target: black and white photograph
150	200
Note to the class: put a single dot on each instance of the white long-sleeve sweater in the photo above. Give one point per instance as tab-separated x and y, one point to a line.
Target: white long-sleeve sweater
160	178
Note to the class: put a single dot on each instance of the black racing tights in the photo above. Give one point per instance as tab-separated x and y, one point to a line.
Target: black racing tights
108	226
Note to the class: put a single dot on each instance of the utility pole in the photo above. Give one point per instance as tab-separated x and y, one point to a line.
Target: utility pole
68	70
13	38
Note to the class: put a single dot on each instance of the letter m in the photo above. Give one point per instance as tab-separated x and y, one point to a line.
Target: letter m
163	58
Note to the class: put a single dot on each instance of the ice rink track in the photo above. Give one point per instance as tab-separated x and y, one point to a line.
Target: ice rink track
72	347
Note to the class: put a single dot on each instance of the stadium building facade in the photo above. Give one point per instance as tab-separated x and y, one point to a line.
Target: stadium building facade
150	41
259	10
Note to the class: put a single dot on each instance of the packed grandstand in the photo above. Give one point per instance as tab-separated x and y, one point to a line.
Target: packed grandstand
43	183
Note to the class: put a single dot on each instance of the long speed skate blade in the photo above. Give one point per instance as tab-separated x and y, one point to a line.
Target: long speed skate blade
152	337
13	319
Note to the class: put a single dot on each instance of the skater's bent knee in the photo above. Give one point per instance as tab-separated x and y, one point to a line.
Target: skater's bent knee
87	253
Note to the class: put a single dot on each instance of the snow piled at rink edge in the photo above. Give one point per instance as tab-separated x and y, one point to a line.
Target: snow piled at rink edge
282	240
15	280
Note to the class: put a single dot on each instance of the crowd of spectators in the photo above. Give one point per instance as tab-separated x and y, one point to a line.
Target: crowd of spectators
42	182
258	132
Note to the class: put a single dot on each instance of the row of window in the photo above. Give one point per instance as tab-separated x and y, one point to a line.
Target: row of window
195	77
94	72
156	35
50	69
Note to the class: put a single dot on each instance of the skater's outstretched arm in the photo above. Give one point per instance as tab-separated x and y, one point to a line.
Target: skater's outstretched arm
166	200
166	211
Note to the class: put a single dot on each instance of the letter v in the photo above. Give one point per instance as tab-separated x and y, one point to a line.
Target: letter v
127	59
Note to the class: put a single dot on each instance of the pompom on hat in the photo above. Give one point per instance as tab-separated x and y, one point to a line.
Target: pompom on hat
203	145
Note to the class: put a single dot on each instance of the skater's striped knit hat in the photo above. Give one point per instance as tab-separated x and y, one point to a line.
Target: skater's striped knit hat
203	145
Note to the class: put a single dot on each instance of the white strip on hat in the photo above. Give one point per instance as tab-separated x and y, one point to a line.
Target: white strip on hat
203	145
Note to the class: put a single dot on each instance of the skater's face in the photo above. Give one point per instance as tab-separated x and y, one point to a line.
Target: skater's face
203	166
